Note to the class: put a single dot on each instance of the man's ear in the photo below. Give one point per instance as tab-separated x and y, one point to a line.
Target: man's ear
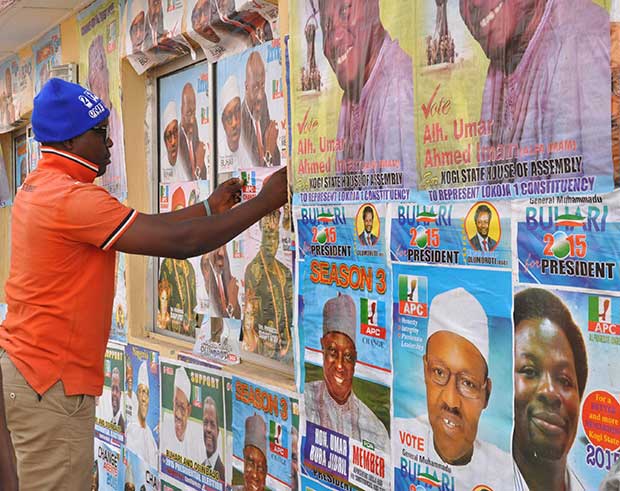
488	392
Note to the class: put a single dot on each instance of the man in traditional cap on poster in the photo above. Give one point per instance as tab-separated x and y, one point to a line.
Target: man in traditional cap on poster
139	436
131	401
254	455
180	275
174	170
177	435
331	402
458	388
232	153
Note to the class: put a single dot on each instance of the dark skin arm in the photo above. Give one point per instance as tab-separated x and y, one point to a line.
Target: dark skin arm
189	232
223	198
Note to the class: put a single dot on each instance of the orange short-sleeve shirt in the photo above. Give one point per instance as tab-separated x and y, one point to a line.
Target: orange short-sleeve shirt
61	281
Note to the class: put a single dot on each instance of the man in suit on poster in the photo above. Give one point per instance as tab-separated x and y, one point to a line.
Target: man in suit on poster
258	131
222	287
210	433
191	150
481	240
367	238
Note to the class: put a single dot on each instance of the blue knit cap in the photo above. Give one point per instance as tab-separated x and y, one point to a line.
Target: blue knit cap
63	110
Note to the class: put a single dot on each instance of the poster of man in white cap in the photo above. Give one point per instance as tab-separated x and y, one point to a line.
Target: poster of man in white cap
185	124
110	410
251	113
143	425
262	450
453	413
192	399
348	372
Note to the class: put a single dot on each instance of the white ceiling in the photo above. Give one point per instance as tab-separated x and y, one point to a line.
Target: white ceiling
24	21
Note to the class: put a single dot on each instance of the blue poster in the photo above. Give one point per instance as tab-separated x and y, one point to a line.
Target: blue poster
453	409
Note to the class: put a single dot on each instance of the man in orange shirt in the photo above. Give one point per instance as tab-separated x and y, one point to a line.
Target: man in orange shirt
64	234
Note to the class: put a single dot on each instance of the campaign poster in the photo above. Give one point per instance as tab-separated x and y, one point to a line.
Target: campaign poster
223	28
262	452
120	320
23	85
99	68
110	422
568	241
192	425
153	33
351	94
218	340
5	189
185	124
566	395
451	432
181	296
169	484
137	474
262	256
107	467
142	403
8	82
251	114
346	332
228	407
308	484
615	88
451	234
355	231
505	98
20	151
47	54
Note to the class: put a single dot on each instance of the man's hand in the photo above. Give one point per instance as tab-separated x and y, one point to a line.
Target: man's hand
274	191
226	195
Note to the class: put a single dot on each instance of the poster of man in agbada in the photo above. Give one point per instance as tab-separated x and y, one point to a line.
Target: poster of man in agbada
464	234
568	241
192	443
265	437
352	99
452	341
110	422
566	406
142	405
347	372
512	99
98	27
